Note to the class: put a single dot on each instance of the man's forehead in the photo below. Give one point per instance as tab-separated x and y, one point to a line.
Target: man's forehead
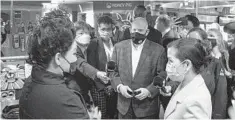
103	25
140	23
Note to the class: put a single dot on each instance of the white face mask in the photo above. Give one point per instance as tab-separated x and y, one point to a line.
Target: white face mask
84	39
105	34
174	74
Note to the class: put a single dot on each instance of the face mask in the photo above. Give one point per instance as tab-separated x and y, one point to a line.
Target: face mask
64	72
84	39
213	42
137	38
105	34
173	74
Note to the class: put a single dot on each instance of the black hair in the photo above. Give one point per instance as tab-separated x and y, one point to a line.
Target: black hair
54	34
139	11
191	49
105	20
193	19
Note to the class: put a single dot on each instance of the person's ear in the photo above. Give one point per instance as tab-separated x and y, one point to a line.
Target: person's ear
188	64
57	58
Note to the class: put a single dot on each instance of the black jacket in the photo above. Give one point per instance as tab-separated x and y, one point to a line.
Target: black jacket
46	96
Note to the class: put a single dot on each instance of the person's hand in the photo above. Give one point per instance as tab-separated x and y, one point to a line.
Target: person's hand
123	90
228	74
167	91
103	76
143	93
94	113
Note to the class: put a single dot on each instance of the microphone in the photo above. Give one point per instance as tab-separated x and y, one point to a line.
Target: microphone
110	67
160	81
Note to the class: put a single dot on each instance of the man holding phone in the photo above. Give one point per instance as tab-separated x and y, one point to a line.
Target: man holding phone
138	61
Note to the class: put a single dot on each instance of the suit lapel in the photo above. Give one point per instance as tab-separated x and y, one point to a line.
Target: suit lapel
128	54
170	108
102	54
144	54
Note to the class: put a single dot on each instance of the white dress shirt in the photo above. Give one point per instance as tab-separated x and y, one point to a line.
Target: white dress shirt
136	52
108	50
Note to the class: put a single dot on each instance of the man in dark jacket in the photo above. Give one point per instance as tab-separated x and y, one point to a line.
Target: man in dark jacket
45	94
154	35
163	24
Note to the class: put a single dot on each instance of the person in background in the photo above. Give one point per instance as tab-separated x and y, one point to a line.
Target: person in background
213	75
45	95
21	28
30	27
99	53
219	49
138	61
192	21
154	35
187	22
163	24
192	99
229	28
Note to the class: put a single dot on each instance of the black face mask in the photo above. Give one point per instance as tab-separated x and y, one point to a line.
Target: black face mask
137	38
213	42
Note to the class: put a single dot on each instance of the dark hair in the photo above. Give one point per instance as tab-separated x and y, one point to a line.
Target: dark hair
193	19
206	43
139	11
81	25
191	49
54	34
105	20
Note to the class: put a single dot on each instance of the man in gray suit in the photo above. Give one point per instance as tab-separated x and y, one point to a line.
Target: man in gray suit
138	62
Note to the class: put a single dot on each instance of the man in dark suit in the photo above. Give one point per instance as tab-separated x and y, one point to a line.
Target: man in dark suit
154	35
163	24
138	61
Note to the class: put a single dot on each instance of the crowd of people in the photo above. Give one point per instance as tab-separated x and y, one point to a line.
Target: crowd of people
189	72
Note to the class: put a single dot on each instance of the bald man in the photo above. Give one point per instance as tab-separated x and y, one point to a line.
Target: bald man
154	35
138	61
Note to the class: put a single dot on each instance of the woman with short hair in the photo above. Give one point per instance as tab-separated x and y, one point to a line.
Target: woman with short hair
192	99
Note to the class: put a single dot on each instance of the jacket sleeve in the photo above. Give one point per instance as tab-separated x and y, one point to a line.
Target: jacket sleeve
86	68
116	77
196	110
161	64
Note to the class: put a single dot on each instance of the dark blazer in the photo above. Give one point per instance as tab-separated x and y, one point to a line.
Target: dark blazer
217	85
232	58
46	96
168	37
154	35
96	57
152	62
